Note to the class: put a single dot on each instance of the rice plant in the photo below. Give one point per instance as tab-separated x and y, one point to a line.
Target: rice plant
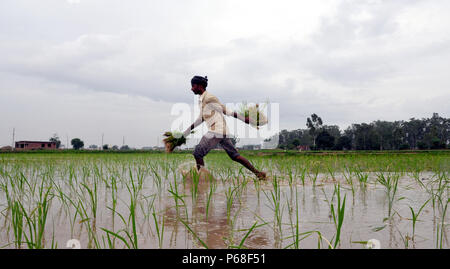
390	182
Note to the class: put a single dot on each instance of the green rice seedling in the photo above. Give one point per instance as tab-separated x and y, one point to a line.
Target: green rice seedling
172	140
338	214
113	184
37	218
440	226
131	243
405	239
292	179
362	177
85	219
294	225
415	173
178	199
232	223
74	205
275	204
257	186
320	239
415	216
194	186
93	202
255	113
314	174
303	175
250	230
331	171
17	218
146	203
212	190
230	195
348	175
133	190
157	177
193	233
159	229
111	243
390	182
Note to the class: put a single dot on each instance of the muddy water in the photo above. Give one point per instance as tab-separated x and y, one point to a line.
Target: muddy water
229	219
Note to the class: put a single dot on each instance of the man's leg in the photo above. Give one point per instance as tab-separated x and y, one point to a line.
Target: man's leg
207	143
235	156
249	166
200	162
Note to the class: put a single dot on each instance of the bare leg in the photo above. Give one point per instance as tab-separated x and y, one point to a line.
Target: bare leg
249	166
200	163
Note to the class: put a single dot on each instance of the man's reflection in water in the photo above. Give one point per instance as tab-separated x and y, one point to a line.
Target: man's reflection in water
214	230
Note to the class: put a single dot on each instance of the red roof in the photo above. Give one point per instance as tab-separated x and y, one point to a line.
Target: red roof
26	141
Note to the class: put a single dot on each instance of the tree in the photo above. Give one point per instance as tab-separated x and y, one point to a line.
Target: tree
125	147
422	145
404	146
77	143
437	144
115	147
314	124
325	140
93	147
344	143
55	139
365	137
426	133
105	147
414	130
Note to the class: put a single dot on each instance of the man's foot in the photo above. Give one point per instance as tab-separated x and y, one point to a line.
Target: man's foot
261	175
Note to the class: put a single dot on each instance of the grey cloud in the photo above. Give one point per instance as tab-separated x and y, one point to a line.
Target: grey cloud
345	52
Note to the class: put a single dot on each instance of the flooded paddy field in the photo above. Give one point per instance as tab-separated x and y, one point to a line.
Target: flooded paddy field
155	200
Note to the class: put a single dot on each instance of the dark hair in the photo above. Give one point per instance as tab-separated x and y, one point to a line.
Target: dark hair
200	81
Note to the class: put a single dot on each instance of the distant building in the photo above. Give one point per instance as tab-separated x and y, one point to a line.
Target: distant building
251	147
303	147
31	145
6	148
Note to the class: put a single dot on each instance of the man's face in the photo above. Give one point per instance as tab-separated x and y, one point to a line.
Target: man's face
197	89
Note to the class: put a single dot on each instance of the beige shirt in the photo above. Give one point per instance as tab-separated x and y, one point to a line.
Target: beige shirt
212	112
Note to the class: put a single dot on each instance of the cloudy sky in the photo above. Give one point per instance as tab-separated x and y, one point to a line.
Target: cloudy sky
83	68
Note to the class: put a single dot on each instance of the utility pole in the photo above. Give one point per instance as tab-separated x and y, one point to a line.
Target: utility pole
67	141
123	141
102	141
14	133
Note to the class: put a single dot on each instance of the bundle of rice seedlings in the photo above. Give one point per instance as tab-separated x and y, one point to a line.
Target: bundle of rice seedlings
173	140
254	113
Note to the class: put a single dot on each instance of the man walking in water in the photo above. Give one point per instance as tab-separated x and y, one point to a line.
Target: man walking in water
212	111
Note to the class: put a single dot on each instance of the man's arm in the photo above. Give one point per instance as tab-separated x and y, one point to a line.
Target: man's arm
196	123
241	117
217	106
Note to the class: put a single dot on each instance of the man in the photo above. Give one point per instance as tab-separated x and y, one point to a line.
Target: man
212	111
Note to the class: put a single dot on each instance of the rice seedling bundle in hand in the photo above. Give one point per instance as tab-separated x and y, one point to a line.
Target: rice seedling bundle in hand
173	140
255	115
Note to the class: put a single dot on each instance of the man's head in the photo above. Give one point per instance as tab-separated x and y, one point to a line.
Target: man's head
199	84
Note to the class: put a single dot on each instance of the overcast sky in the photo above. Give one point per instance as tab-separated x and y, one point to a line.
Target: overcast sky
83	68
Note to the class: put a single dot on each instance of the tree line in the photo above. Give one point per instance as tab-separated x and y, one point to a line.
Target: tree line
425	133
77	143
